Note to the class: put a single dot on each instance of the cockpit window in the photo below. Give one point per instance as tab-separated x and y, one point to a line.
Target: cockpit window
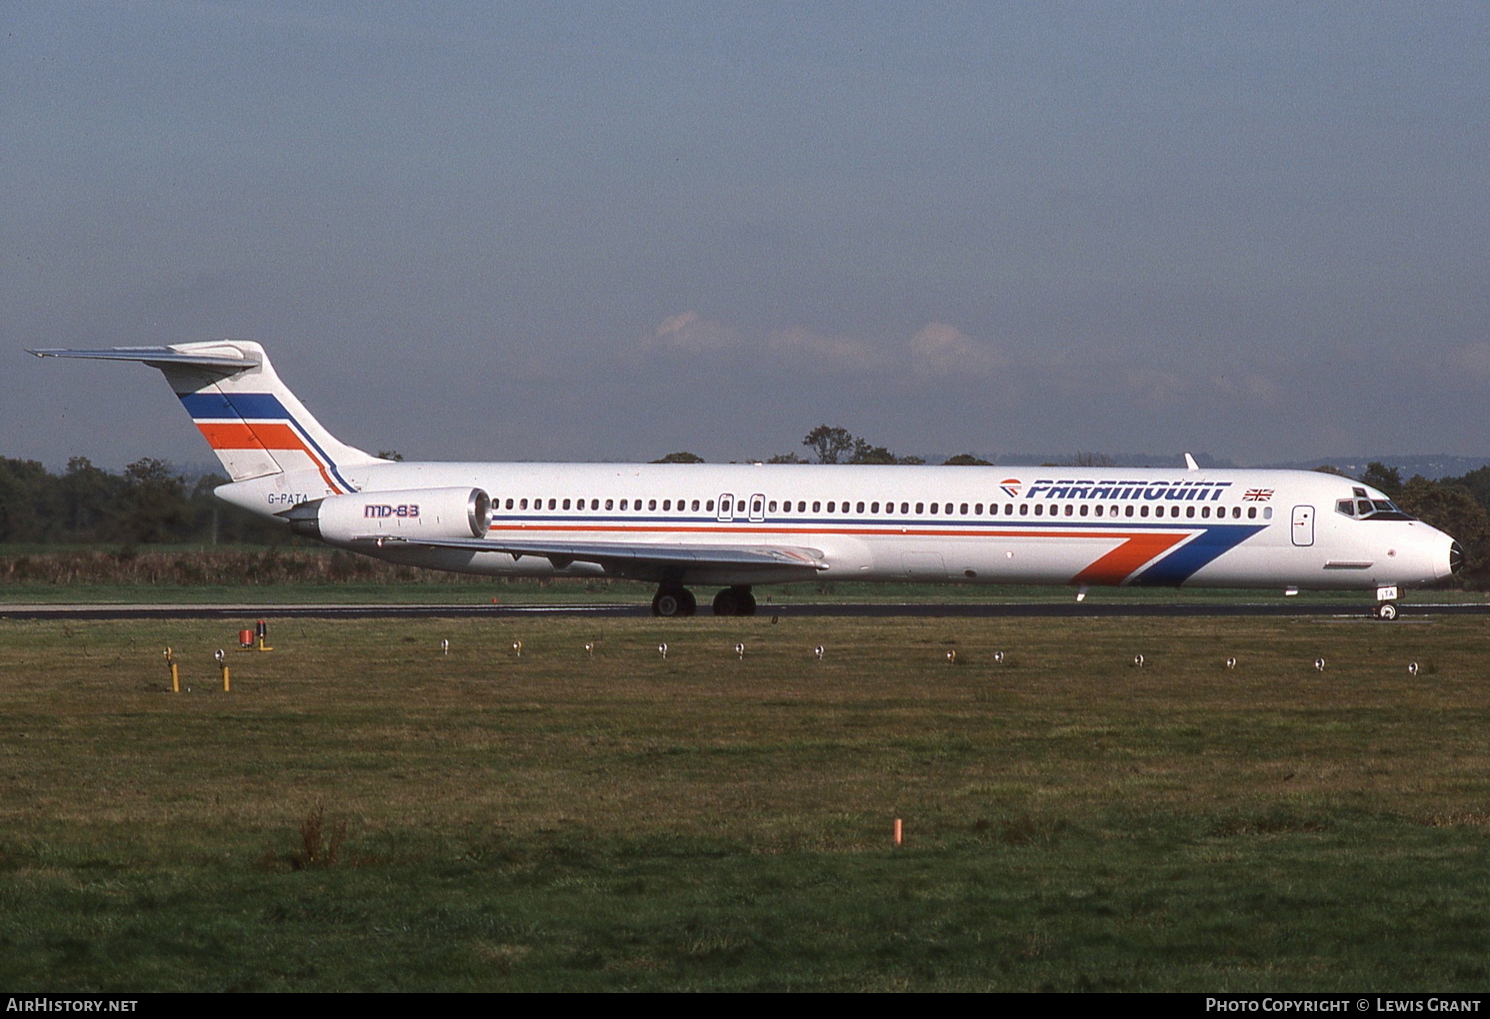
1385	509
1370	509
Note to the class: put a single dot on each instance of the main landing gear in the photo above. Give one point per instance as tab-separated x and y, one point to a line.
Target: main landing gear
673	600
1386	611
676	600
734	601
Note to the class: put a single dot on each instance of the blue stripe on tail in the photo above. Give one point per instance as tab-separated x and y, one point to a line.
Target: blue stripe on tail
256	407
249	406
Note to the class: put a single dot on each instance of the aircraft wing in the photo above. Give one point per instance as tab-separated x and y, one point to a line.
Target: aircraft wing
633	559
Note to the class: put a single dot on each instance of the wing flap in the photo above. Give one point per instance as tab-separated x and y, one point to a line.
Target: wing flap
629	559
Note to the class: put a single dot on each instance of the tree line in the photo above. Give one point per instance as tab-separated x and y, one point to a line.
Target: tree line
833	445
146	503
149	503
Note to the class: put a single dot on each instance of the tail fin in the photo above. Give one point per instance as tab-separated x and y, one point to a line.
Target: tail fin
248	416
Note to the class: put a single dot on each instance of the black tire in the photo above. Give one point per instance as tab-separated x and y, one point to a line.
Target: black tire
673	601
1386	611
734	601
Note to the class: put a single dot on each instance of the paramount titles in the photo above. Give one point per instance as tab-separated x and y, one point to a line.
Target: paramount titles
1153	491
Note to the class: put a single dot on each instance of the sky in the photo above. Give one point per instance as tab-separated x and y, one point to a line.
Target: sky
613	231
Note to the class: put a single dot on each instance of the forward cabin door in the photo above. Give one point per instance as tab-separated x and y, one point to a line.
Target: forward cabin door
1303	525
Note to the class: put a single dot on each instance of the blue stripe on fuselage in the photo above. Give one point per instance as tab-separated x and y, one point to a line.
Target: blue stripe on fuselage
1177	567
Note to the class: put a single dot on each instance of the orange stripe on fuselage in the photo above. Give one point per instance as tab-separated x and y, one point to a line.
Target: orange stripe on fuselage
1117	565
851	531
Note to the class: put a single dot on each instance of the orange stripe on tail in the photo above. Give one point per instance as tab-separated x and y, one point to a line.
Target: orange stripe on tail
259	435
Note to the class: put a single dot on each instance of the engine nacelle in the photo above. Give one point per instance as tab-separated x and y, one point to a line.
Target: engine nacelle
412	514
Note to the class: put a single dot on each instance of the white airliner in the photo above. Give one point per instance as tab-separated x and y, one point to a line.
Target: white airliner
734	526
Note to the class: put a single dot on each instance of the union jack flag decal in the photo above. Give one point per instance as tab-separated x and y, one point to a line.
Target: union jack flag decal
1257	495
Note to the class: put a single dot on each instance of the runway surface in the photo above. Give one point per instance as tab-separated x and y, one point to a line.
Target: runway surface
971	610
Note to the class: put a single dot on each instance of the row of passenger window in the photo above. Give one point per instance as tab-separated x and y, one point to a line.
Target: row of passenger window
631	505
833	506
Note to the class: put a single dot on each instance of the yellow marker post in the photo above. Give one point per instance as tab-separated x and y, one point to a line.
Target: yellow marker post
223	664
175	676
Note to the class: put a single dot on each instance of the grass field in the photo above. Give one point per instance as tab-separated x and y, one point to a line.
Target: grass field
364	812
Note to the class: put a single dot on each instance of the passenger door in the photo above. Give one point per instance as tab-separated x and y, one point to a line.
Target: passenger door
1303	525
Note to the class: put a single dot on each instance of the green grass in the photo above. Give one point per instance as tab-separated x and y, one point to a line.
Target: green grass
521	591
621	821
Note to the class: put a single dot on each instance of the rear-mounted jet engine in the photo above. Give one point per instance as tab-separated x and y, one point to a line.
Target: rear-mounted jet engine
411	515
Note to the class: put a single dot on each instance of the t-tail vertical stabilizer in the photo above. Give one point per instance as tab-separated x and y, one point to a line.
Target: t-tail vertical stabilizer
252	421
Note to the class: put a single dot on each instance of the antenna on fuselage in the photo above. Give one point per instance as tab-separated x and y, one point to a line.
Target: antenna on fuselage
1190	464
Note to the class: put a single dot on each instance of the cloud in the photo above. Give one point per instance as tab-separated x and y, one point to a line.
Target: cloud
1251	386
842	352
691	333
936	350
942	349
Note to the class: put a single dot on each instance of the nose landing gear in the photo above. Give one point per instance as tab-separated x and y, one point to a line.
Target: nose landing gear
1386	609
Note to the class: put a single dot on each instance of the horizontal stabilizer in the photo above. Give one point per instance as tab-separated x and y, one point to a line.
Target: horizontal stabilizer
225	357
248	416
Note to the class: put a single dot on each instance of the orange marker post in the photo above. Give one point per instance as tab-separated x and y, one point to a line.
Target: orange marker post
897	833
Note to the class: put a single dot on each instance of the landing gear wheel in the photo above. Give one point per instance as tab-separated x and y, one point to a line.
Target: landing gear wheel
1386	611
734	601
673	601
